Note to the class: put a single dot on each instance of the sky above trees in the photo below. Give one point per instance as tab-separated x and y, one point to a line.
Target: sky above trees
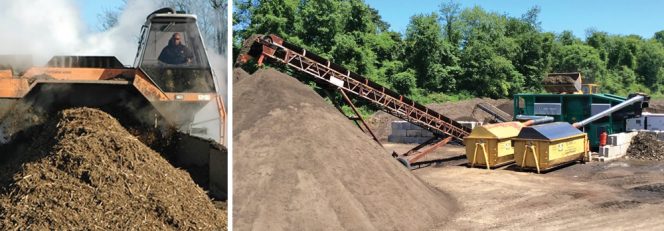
452	51
640	17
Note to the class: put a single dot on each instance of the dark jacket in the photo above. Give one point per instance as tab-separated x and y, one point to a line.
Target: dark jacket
175	54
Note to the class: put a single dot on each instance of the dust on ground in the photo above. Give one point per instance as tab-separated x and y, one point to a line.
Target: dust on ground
83	169
312	158
620	195
299	164
610	196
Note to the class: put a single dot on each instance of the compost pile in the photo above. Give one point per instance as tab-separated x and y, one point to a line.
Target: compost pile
655	106
558	79
84	170
239	74
299	164
645	146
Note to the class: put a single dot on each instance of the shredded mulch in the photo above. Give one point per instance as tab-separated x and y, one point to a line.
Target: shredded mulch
83	170
645	146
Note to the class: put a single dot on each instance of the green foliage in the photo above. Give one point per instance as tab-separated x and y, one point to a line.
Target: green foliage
567	38
449	15
659	37
404	82
441	97
455	53
580	58
429	55
650	64
364	111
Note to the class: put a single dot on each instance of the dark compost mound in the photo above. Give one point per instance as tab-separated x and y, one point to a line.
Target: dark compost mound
645	146
299	164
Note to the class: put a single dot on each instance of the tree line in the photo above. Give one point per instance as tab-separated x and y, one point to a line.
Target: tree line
455	53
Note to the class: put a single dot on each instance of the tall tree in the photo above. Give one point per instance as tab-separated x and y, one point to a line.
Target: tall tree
581	58
430	55
449	14
651	64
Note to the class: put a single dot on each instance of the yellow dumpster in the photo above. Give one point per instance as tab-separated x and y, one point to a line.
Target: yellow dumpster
491	142
546	146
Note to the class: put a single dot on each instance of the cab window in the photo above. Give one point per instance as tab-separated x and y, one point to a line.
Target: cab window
174	58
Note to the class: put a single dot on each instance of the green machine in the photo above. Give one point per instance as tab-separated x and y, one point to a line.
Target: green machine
587	108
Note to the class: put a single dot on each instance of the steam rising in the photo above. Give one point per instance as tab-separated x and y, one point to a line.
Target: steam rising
45	28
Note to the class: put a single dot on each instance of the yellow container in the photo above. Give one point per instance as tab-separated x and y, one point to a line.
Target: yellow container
546	146
491	142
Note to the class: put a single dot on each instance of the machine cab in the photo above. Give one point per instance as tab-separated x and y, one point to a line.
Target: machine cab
172	54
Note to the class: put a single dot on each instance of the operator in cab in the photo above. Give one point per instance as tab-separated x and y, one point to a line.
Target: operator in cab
176	52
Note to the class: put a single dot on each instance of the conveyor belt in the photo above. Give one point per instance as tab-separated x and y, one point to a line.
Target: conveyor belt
275	49
500	115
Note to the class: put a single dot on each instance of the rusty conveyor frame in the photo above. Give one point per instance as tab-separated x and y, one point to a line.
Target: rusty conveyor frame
274	48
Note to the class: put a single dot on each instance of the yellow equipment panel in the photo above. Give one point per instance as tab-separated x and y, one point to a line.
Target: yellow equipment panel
490	145
545	146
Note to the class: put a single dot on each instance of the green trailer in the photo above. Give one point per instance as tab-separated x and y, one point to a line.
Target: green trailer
574	108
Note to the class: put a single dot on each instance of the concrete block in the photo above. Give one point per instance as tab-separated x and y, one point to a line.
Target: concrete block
410	140
395	139
614	151
623	149
413	127
622	138
427	134
611	151
603	151
399	132
413	133
399	125
616	139
611	140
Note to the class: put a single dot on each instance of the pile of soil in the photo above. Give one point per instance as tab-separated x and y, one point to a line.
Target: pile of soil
380	122
645	146
84	170
465	108
239	74
299	164
558	79
655	106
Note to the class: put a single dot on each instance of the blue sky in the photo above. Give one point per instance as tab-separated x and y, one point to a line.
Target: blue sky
90	9
641	17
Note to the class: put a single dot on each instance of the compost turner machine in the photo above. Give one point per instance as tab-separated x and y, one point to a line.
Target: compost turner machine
170	94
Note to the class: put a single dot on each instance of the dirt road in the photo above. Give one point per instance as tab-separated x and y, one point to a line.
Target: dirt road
619	195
